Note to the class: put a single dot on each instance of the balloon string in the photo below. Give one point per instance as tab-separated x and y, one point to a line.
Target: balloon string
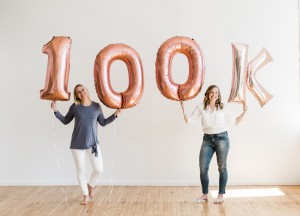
58	164
298	8
112	168
299	31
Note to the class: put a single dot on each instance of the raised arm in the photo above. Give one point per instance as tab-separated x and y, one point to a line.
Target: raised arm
194	116
104	121
64	119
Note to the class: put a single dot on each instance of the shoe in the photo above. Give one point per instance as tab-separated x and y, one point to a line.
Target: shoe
200	200
218	200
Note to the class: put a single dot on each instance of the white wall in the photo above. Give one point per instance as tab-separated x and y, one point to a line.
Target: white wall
151	144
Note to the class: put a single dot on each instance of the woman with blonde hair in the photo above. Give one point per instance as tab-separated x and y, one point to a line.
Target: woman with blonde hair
84	142
215	118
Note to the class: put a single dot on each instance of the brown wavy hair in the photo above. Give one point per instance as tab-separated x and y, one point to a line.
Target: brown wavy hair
219	104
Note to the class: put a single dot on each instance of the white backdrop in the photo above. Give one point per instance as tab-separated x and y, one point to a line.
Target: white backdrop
149	144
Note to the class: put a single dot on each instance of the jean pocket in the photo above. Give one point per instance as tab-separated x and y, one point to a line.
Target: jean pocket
223	136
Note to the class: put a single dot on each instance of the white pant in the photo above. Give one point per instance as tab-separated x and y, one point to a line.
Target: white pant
80	162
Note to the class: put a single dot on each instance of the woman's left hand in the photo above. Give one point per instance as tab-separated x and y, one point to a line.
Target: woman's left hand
118	112
245	107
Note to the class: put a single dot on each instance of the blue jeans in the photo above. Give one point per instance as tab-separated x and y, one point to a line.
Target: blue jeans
218	143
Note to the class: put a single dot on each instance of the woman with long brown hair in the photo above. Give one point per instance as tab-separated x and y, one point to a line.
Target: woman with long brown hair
215	118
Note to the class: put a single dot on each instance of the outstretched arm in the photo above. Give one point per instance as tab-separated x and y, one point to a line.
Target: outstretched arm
104	121
64	119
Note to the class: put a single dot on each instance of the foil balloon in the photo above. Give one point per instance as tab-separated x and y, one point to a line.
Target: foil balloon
107	95
165	54
239	69
262	95
57	77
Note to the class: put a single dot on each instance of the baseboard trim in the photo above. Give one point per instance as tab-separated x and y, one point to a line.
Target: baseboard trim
147	183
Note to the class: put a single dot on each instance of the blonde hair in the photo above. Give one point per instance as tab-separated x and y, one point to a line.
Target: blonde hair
206	101
76	99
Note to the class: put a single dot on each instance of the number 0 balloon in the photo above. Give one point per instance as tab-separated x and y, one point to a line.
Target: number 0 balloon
106	94
195	80
57	78
262	95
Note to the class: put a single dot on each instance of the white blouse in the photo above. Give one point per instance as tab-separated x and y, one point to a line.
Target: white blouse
213	121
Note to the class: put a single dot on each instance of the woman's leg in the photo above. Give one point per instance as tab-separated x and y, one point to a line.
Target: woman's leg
80	162
206	153
97	165
222	149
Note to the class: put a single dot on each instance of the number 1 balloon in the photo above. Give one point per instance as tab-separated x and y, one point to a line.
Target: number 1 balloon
57	78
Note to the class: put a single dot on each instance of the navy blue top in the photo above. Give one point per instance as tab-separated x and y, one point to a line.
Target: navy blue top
84	135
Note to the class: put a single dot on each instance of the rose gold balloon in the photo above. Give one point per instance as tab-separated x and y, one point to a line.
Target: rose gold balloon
262	95
57	78
239	69
106	94
163	64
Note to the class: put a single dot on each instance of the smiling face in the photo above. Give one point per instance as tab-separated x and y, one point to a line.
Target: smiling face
213	94
81	93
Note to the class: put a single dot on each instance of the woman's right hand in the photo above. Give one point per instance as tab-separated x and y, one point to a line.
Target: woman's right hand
53	106
182	108
182	103
118	112
245	107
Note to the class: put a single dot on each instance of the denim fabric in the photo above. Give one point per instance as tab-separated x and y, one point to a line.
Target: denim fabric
212	143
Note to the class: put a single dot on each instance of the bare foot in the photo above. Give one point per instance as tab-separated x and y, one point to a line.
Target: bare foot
201	199
219	199
85	200
91	191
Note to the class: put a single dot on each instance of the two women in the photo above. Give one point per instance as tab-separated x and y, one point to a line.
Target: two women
215	118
